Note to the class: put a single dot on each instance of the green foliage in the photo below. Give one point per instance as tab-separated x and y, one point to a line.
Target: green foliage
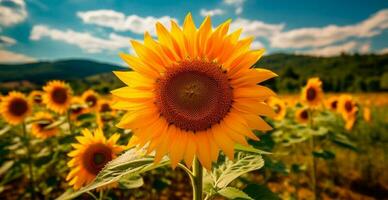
125	169
339	73
234	193
259	192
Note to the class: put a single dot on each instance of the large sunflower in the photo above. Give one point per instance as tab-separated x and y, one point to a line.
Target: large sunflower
193	92
36	97
279	106
15	107
90	97
57	96
312	93
90	155
41	122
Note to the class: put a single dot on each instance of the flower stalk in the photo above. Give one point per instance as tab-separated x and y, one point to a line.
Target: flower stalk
313	161
196	181
29	160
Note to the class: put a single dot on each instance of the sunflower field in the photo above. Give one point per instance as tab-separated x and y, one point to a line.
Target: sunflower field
194	118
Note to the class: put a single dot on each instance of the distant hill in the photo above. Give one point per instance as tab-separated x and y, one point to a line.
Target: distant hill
40	72
353	73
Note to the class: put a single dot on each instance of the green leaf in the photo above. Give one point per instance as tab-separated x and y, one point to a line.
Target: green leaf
259	192
85	117
131	182
132	163
234	193
343	141
6	166
250	149
55	124
5	130
227	171
325	154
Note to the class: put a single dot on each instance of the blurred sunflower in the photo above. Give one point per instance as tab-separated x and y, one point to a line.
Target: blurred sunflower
312	93
36	97
332	103
77	108
57	96
302	115
279	106
15	107
41	121
105	112
90	155
367	114
90	97
193	92
347	106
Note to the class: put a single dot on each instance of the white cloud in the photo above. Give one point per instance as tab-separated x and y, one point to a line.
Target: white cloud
383	51
12	12
257	28
318	37
214	12
238	4
119	22
257	45
334	50
7	41
84	40
12	57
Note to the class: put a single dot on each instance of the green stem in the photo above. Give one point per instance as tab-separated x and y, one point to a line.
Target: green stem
69	122
313	161
29	160
101	197
197	180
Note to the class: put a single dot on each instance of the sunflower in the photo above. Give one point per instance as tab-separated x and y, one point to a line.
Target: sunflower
312	93
367	114
350	121
41	122
77	108
15	108
279	106
302	115
193	92
105	112
90	97
57	96
332	103
90	155
36	97
347	106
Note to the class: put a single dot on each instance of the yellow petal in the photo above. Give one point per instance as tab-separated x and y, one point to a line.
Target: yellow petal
191	148
252	77
223	141
133	94
138	66
203	149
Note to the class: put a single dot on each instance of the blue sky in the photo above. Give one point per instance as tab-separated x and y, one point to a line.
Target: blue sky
32	30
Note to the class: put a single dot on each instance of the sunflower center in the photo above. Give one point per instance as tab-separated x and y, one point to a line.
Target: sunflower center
105	108
194	95
91	100
37	99
76	110
277	108
59	95
95	157
43	124
348	106
311	94
18	107
334	104
304	114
